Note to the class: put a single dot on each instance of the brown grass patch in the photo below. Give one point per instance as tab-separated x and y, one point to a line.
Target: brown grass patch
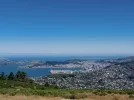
23	97
109	97
90	97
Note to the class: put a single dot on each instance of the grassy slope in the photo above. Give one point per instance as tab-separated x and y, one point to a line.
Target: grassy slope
13	88
69	94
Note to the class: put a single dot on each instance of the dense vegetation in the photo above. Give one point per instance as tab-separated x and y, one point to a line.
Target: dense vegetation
20	79
19	76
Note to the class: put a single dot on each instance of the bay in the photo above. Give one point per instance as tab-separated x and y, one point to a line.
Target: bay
36	72
32	72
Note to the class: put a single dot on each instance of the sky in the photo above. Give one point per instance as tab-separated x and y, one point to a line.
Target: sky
67	27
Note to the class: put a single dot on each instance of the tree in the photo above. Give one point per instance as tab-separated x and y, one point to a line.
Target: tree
11	76
3	76
21	76
18	75
47	84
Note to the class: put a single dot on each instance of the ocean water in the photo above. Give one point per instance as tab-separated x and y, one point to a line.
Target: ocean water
61	58
36	72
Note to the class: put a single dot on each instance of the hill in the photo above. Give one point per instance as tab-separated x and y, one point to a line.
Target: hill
117	76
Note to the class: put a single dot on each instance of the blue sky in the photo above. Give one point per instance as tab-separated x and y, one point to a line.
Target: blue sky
67	27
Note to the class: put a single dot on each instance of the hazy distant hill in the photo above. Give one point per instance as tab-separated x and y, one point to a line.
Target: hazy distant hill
127	59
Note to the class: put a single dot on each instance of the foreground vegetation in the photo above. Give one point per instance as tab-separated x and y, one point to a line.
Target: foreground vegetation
65	93
20	84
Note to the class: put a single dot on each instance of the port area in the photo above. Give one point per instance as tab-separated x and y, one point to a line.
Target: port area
61	71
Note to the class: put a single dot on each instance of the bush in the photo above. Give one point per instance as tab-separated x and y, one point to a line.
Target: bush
131	96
